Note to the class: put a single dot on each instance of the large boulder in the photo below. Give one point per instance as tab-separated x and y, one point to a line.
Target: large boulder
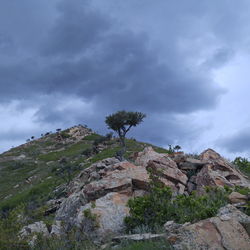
91	173
104	217
191	164
170	174
218	172
225	231
124	177
31	229
236	197
69	208
148	154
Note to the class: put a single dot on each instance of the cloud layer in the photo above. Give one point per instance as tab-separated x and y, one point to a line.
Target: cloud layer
77	61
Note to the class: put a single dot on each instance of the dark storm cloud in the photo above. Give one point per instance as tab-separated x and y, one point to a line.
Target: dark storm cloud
219	58
77	29
84	53
89	60
237	143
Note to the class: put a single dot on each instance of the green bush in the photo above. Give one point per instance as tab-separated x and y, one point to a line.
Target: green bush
9	228
159	206
64	134
87	152
244	191
243	164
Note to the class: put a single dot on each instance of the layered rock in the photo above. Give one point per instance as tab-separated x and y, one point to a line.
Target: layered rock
168	170
98	196
37	227
104	216
148	154
218	172
228	230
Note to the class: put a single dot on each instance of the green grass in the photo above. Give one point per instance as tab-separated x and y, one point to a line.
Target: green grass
106	153
14	173
92	137
145	245
74	150
38	193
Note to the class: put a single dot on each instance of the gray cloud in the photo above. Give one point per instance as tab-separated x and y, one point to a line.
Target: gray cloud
237	143
109	60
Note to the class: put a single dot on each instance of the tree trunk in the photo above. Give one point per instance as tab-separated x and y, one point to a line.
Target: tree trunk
120	154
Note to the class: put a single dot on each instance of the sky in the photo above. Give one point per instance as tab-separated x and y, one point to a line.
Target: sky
185	64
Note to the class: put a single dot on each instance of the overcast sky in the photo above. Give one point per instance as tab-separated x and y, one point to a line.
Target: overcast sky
185	64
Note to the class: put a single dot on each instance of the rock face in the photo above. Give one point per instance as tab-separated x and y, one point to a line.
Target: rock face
99	194
226	231
168	170
148	154
37	227
236	197
105	216
218	172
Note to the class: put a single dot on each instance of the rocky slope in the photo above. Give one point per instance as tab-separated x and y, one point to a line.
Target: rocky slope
95	200
98	196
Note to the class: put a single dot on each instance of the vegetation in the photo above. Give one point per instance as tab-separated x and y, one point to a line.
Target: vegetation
9	228
159	205
121	122
145	245
243	164
244	191
36	172
76	240
47	164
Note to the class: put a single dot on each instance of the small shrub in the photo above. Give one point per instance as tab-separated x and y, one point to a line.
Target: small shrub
65	135
93	217
87	152
243	164
159	206
109	136
99	140
244	191
9	228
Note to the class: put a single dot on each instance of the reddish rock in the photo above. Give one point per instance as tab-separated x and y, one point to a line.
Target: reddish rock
214	233
148	154
218	172
105	216
236	197
168	169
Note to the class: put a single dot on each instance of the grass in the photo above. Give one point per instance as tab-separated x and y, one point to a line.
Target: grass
37	193
106	153
145	245
74	150
92	137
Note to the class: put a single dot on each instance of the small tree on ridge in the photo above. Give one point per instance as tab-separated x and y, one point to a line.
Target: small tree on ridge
121	122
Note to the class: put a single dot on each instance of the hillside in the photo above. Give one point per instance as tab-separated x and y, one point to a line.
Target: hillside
33	169
69	180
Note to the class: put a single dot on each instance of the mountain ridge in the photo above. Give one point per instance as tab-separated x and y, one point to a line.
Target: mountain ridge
71	178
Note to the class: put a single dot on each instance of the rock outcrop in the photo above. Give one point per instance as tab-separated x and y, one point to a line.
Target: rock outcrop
218	172
37	227
99	194
228	230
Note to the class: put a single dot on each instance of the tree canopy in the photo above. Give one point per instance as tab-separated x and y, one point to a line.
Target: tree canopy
122	121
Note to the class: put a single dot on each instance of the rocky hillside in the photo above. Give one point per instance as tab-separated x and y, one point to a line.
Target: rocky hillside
68	188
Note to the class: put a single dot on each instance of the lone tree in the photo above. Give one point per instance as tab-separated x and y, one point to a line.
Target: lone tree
121	122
